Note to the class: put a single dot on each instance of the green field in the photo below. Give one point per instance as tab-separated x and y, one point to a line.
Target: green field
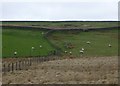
22	41
98	46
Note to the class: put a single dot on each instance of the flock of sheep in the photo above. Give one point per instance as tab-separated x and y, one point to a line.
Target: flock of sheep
82	49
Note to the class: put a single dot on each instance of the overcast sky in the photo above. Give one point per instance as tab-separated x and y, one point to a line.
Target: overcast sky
61	10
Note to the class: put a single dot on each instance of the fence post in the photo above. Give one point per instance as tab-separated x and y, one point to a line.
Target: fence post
39	59
12	67
4	69
30	62
16	65
26	63
19	65
34	60
22	64
8	67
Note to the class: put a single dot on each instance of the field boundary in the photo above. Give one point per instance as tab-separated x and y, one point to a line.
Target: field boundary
83	29
25	63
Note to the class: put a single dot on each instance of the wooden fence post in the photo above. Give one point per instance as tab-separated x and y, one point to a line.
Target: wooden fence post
4	68
39	59
19	65
23	65
12	67
8	67
16	65
30	62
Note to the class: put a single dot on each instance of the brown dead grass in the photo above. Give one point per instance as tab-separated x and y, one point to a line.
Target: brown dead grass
93	70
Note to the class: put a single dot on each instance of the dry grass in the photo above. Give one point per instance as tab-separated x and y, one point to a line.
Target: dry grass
93	70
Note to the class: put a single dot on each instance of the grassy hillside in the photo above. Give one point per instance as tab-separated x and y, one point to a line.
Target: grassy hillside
22	41
77	39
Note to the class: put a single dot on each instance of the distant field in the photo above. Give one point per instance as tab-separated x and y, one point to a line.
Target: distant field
98	46
22	41
68	24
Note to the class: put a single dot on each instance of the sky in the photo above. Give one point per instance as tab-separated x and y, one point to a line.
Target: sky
59	10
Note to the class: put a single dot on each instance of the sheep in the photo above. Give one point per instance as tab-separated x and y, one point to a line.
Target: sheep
40	46
15	53
70	52
33	48
110	45
65	51
88	42
83	49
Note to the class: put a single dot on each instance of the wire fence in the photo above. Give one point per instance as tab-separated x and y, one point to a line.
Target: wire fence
25	64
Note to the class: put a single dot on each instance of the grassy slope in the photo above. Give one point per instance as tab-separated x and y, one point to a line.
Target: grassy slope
22	41
99	42
99	45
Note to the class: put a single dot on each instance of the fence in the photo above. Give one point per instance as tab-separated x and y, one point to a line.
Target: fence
25	64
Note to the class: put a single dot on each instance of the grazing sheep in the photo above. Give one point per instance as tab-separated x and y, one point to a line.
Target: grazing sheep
15	53
83	49
40	46
65	51
33	48
88	42
70	52
110	45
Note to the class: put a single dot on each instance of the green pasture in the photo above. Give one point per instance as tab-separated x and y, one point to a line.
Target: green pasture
98	46
22	41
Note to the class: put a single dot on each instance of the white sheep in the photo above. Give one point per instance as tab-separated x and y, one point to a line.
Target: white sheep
83	49
65	51
70	52
33	48
40	46
88	42
110	45
15	53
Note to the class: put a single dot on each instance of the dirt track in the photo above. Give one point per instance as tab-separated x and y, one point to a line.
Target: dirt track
93	70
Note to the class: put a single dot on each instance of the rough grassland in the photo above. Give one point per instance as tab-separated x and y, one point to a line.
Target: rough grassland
97	70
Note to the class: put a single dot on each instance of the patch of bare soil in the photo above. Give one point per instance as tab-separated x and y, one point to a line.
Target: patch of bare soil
93	70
